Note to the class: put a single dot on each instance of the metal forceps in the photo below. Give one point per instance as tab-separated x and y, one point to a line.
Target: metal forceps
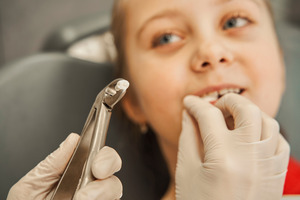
78	171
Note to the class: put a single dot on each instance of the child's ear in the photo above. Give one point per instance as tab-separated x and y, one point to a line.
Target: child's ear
132	109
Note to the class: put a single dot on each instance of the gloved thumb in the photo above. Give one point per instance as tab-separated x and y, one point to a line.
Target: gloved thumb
37	183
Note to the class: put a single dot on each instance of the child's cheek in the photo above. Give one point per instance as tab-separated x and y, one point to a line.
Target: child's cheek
161	101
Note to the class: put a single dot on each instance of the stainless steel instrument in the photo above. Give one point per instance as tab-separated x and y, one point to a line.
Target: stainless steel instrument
78	171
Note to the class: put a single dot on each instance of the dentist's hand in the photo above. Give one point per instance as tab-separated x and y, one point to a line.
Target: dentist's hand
40	182
214	162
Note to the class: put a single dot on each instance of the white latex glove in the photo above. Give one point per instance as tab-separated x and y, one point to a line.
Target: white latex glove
214	163
40	182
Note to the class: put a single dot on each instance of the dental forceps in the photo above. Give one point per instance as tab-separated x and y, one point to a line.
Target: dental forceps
78	171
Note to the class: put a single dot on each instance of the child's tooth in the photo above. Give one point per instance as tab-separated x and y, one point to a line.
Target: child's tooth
209	98
224	91
211	94
236	90
214	94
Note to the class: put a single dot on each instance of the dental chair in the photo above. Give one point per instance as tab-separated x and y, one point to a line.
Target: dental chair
86	38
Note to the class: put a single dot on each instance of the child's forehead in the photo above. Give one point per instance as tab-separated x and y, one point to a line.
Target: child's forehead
138	10
136	3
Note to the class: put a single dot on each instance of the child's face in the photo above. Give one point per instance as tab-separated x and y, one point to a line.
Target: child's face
179	47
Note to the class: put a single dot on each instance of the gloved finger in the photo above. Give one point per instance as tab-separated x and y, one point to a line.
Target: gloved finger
107	189
271	187
106	163
189	156
282	155
269	137
39	181
271	123
190	144
277	164
210	119
247	116
266	147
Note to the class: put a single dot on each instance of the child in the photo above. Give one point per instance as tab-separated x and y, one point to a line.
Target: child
216	145
204	48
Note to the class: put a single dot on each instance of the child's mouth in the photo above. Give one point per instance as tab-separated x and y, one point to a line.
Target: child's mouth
213	97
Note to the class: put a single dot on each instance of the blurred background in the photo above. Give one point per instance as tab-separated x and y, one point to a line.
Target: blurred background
26	26
287	14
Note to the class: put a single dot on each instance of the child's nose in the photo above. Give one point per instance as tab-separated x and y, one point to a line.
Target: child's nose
210	56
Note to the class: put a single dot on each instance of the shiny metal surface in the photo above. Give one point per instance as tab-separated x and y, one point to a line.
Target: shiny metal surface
78	172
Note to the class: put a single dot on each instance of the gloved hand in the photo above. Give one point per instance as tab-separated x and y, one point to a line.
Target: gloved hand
40	182
215	162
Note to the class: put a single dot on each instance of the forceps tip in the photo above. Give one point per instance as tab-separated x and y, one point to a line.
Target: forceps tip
122	85
115	91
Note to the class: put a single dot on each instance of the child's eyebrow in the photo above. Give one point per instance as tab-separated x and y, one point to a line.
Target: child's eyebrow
225	1
159	15
171	13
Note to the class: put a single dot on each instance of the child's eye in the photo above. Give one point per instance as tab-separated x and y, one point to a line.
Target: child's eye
235	22
166	39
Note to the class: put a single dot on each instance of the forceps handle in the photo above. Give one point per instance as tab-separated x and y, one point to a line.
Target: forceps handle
79	167
97	142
